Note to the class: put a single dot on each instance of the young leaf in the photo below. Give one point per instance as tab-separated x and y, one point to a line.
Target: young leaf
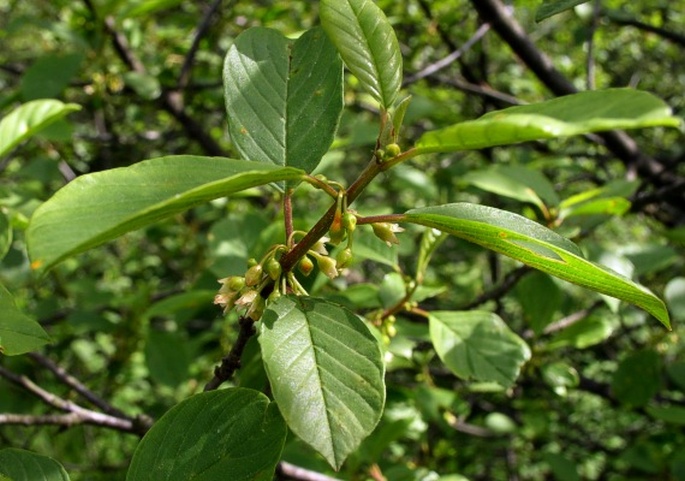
478	345
326	373
284	99
235	434
99	207
22	465
18	333
549	9
575	114
367	44
537	246
29	118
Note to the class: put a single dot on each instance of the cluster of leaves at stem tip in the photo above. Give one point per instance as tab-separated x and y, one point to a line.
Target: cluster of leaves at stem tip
284	100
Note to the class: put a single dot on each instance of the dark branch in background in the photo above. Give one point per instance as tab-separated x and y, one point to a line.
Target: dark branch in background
508	283
76	414
171	100
201	31
619	143
619	19
596	12
231	362
62	375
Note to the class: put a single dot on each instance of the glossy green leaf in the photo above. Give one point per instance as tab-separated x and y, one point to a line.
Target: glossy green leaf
531	243
22	465
19	333
5	234
478	345
515	182
580	113
98	207
608	200
367	44
29	118
326	373
284	99
235	434
638	378
551	8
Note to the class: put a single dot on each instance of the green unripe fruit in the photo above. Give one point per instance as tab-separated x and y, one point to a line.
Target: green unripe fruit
273	268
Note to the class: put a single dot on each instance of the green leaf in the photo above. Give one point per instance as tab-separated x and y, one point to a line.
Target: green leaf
284	99
580	113
235	434
478	345
29	118
326	373
49	75
22	465
145	85
549	9
5	234
515	182
540	298
638	378
367	44
99	207
167	357
19	334
670	414
531	243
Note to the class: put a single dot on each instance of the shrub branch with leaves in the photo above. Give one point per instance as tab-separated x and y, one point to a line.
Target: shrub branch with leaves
325	362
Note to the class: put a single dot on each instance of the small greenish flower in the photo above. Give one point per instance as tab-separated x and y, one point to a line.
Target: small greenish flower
385	231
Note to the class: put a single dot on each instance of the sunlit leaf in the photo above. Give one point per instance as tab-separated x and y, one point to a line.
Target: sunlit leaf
283	98
326	373
554	7
235	434
478	345
98	207
580	113
537	246
29	118
367	44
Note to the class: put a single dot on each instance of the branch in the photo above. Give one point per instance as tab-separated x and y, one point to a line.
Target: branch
618	142
201	31
231	362
618	19
290	471
77	414
171	100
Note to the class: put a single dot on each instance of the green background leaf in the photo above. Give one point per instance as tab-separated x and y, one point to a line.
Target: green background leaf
638	378
283	98
549	9
99	207
580	113
29	118
478	345
326	373
367	44
22	465
5	234
531	243
235	434
49	75
19	333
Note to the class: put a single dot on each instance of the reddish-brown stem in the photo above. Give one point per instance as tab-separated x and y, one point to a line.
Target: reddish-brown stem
288	213
374	219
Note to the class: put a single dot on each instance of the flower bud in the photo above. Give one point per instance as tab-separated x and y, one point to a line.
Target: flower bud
235	283
275	294
328	266
386	232
251	262
392	150
253	275
344	258
305	266
273	268
256	308
247	298
349	221
336	231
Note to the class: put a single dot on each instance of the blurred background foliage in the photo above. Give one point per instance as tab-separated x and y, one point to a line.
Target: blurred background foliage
604	394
